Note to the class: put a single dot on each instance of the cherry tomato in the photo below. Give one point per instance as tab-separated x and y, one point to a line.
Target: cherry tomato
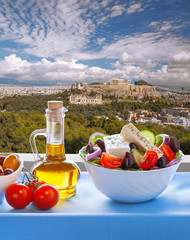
110	161
168	153
18	195
45	197
34	184
149	160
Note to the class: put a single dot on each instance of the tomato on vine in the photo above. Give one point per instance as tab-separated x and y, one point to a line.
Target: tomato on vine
45	197
18	195
34	184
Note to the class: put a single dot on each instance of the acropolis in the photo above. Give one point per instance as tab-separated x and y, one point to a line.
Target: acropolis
118	87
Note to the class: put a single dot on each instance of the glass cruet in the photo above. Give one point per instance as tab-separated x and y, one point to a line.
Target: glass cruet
55	168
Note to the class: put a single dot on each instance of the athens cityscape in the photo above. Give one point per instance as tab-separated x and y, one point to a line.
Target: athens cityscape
83	93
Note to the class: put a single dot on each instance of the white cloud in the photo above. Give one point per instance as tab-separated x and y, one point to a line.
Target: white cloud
59	30
182	57
63	32
117	10
71	71
150	64
139	48
117	65
100	41
60	70
134	8
153	24
104	3
166	26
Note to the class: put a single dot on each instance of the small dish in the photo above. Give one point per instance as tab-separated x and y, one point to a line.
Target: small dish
6	180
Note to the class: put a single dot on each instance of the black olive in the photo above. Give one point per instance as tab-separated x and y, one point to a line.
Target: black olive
161	162
133	145
174	144
128	161
89	149
100	144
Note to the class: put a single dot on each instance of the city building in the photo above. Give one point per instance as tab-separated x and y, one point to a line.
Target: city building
83	99
176	111
78	86
6	90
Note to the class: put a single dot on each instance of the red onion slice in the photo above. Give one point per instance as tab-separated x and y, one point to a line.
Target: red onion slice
95	134
174	161
165	141
96	153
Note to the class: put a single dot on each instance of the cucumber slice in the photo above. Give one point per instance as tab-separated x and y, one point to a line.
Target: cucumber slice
138	155
149	135
178	154
96	137
159	140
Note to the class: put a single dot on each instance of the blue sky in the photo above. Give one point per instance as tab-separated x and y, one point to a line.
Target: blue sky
64	41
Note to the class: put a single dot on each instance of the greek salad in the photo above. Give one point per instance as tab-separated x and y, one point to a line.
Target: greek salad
132	150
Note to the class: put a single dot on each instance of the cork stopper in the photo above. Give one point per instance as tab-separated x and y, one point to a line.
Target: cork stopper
54	105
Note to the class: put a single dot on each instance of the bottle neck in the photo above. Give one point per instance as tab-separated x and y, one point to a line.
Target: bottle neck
55	149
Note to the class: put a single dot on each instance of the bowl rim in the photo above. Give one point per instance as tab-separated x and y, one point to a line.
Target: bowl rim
18	169
131	171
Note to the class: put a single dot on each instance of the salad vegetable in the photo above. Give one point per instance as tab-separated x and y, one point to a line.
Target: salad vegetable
97	151
149	160
168	153
109	161
95	136
162	139
145	152
150	135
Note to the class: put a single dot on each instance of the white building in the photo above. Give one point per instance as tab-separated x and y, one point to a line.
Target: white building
83	99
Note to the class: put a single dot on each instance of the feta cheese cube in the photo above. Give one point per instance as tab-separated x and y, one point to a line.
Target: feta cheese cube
116	145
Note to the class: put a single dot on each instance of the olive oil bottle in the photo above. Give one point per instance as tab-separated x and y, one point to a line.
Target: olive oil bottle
54	168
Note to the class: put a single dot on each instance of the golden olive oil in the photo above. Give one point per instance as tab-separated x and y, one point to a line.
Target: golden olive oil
55	169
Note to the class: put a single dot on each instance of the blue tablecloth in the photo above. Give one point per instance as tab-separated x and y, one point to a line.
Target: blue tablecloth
91	215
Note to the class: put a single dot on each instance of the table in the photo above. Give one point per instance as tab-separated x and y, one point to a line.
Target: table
91	215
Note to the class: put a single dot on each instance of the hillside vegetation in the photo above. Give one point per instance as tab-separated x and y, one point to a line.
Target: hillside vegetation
20	116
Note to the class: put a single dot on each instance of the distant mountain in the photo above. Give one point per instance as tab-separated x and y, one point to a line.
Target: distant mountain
9	81
97	83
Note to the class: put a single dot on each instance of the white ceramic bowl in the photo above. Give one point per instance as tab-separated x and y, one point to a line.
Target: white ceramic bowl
131	186
6	180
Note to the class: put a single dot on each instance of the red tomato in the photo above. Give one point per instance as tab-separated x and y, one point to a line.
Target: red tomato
45	197
110	161
149	160
168	153
18	195
34	184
